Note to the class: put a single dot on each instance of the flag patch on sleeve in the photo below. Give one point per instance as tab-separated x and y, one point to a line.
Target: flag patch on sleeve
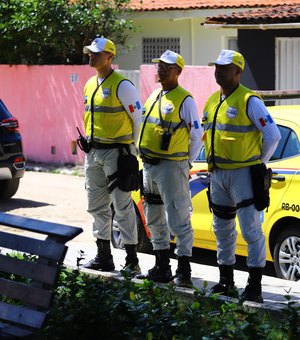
264	121
135	106
194	124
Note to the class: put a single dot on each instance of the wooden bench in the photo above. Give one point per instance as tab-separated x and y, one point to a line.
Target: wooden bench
27	284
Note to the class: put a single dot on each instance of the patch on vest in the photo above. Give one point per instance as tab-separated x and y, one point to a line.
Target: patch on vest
167	109
105	92
232	112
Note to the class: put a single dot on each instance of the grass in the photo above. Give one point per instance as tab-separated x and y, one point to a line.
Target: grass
66	169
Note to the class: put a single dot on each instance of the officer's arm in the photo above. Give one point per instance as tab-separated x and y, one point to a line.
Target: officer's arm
129	97
189	113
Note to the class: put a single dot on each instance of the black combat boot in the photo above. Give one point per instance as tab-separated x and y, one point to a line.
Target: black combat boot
183	272
103	260
132	261
145	276
226	284
253	290
161	272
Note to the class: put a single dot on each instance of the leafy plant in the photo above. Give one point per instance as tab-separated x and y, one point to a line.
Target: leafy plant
54	32
90	307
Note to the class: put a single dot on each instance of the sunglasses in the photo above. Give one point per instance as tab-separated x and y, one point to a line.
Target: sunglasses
166	66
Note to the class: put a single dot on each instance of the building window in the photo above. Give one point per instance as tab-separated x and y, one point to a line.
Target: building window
232	44
155	47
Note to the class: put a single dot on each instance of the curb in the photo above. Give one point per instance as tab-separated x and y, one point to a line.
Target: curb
189	293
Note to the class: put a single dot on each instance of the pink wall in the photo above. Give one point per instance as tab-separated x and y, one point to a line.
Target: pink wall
199	80
48	102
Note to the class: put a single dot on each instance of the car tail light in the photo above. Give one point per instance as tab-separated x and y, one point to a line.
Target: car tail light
19	163
10	124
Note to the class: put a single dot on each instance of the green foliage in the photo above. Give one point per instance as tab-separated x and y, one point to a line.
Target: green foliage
54	32
88	307
13	277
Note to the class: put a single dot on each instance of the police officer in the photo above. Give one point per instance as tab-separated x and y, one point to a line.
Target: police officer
170	140
111	119
239	132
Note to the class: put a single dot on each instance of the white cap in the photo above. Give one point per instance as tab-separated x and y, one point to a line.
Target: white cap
227	57
99	45
170	57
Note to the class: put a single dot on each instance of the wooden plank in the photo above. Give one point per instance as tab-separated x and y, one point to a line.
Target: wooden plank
61	231
36	271
18	332
25	293
50	253
22	315
45	248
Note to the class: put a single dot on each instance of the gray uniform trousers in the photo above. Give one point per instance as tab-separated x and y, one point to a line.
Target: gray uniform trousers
100	163
228	188
169	179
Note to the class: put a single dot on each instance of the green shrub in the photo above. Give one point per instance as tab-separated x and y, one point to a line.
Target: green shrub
88	307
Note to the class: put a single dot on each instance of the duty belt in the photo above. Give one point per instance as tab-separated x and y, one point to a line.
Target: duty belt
97	145
152	161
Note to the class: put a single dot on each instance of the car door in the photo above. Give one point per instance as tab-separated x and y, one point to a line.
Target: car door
201	215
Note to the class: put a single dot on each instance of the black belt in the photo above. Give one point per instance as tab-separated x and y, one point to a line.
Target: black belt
97	145
152	161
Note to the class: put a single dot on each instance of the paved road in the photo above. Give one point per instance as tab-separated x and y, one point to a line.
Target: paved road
52	197
61	198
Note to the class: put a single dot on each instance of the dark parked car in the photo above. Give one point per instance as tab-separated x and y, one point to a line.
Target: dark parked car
12	159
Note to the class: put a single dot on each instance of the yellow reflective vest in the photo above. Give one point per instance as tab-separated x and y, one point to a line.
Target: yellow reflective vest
105	118
154	125
230	138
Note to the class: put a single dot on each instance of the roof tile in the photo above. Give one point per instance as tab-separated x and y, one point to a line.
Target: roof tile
160	5
269	15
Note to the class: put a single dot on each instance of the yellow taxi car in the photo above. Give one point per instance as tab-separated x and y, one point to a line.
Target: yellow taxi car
281	221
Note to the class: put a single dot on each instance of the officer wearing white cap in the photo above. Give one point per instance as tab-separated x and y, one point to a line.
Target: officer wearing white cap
239	137
111	119
170	140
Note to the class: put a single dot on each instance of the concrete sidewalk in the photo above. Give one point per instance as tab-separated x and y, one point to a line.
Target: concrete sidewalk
203	276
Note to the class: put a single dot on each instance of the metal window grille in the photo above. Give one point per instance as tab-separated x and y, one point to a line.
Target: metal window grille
155	47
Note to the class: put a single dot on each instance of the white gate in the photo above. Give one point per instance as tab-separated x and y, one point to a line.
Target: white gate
287	67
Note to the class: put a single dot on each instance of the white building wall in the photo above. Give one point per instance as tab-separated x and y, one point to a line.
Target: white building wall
198	44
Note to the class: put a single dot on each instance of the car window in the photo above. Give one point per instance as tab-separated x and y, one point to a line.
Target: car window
289	144
201	156
292	147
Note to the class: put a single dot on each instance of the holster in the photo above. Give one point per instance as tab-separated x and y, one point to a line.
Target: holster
128	170
127	176
261	182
